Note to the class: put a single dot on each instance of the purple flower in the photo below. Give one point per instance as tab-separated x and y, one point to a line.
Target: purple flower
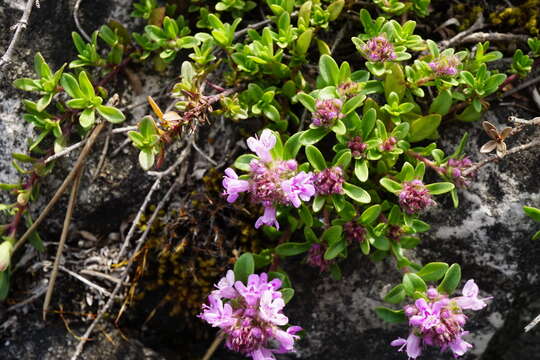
299	187
388	144
225	287
233	186
270	182
329	181
354	232
217	314
412	345
270	309
438	321
253	319
327	112
315	257
455	169
357	146
414	197
470	299
268	218
263	145
445	65
379	49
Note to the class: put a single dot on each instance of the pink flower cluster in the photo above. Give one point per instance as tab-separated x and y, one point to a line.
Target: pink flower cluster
354	232
315	257
357	146
271	182
456	169
414	197
327	112
329	181
251	316
379	49
439	321
445	65
388	144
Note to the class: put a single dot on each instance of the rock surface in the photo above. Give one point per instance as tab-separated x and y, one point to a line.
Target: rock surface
488	235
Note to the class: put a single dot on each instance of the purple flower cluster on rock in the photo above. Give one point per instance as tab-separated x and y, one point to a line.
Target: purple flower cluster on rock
439	321
379	49
445	65
251	316
271	182
414	197
327	112
329	181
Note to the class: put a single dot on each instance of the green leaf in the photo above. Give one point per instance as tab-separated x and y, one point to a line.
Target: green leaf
86	86
318	203
334	249
442	103
27	84
313	136
329	70
147	127
307	100
287	294
244	266
356	193
146	159
87	118
334	9
532	212
361	169
536	236
391	316
440	188
370	214
44	101
332	234
305	215
292	248
292	146
41	67
111	114
424	127
353	103
396	295
381	243
413	283
364	247
390	185
433	271
344	159
34	238
339	128
4	284
71	86
368	122
304	41
315	158
271	113
243	161
451	280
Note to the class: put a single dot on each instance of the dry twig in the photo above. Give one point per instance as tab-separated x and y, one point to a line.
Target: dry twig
103	153
532	324
212	349
77	23
19	27
478	24
71	176
142	209
125	273
63	237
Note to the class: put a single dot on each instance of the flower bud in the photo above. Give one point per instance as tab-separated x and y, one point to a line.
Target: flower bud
6	248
